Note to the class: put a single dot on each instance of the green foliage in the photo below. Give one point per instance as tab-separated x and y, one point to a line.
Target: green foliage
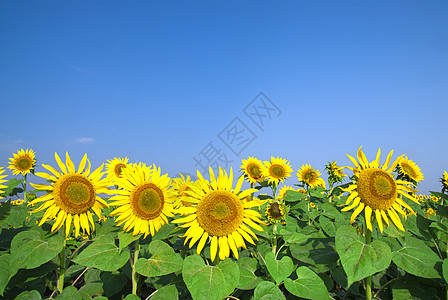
307	285
163	261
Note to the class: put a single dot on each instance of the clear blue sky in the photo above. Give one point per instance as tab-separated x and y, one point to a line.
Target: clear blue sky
157	81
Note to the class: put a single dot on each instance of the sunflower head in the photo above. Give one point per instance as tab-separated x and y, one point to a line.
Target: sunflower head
181	186
72	195
275	212
22	162
444	181
2	181
144	201
115	167
409	171
278	169
375	190
220	215
281	194
335	172
309	176
252	169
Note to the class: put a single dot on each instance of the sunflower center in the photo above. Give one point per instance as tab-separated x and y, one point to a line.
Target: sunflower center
23	164
254	171
220	213
147	201
74	193
309	176
377	188
275	211
119	168
277	171
408	170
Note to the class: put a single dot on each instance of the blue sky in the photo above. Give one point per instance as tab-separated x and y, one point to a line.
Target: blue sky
159	81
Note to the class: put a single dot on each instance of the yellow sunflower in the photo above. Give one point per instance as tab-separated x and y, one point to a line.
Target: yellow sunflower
281	194
180	187
23	162
444	180
220	215
71	195
375	190
310	176
409	170
275	212
278	169
335	172
253	170
145	201
114	168
2	181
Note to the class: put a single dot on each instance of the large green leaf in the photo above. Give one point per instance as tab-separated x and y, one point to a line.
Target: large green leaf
248	279
30	249
5	271
29	295
409	288
209	282
103	254
163	260
70	293
318	253
125	238
279	269
359	259
444	269
292	196
267	290
307	285
417	258
168	292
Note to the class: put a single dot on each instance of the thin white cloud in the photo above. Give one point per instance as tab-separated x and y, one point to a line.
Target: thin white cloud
85	140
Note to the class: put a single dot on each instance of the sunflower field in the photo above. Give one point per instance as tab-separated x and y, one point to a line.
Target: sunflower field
124	230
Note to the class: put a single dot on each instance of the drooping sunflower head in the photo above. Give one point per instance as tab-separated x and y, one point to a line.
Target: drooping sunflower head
444	181
309	176
278	169
375	190
72	195
181	185
252	169
275	212
335	172
2	181
23	162
220	215
408	170
115	167
145	201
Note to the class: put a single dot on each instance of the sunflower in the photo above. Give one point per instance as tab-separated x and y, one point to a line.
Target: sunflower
2	181
71	195
144	202
180	187
253	170
275	212
409	170
444	181
278	169
281	194
335	173
23	162
375	190
310	176
114	168
220	215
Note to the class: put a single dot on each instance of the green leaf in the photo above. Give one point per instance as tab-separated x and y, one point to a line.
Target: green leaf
360	260
163	260
417	258
444	269
293	196
327	226
103	254
70	293
317	252
26	295
12	188
267	290
293	237
131	297
30	249
125	238
5	271
168	292
307	285
409	289
248	279
209	282
279	269
317	192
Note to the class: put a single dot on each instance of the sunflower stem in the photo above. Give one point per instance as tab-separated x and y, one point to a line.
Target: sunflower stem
134	273
24	190
274	242
369	278
62	263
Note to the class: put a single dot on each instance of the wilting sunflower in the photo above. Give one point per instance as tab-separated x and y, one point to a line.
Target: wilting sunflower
253	169
180	187
220	215
310	176
409	170
375	190
144	202
23	162
114	168
2	181
275	212
71	195
278	169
